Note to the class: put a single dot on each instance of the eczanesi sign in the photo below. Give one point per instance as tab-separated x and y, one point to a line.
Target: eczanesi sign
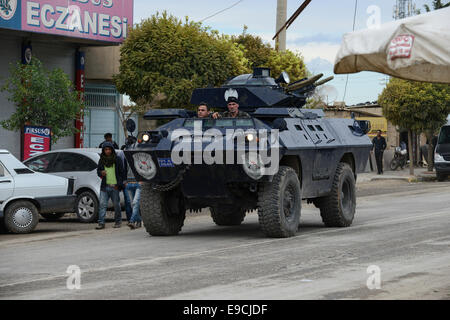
104	20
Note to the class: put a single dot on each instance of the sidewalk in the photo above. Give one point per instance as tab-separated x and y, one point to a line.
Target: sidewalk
420	174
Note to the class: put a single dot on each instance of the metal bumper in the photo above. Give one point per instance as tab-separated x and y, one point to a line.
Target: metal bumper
62	204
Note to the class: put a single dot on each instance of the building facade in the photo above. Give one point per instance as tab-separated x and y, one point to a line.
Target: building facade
56	32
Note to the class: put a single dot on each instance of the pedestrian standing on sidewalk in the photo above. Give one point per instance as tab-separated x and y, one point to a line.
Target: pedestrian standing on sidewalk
126	196
111	171
133	188
379	144
108	138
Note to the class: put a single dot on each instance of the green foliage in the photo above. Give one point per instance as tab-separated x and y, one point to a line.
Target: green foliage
163	55
42	98
255	50
417	106
437	4
260	54
287	61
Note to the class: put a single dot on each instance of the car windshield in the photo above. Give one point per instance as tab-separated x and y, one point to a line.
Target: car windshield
444	136
219	123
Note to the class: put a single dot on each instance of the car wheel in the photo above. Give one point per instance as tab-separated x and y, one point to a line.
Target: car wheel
52	216
86	207
21	217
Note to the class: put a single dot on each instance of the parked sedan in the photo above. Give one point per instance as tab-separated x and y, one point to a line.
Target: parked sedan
80	165
24	194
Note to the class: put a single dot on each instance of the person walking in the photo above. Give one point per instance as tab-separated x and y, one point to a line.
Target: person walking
133	188
379	144
126	196
111	171
108	138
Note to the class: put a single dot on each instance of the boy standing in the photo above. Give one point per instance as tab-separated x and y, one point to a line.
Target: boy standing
111	171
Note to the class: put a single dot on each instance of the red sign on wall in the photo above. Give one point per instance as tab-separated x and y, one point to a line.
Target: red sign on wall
79	84
35	140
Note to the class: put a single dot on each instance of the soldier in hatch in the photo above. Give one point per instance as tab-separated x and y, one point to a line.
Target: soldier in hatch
233	110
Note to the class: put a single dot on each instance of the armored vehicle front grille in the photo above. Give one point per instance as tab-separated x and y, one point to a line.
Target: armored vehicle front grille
446	157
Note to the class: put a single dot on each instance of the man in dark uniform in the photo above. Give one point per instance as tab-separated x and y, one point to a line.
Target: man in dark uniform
379	144
203	110
233	110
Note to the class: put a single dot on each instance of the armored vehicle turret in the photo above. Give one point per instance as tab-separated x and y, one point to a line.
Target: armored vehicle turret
268	157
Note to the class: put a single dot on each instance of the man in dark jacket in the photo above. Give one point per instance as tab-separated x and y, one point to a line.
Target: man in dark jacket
108	138
379	144
110	170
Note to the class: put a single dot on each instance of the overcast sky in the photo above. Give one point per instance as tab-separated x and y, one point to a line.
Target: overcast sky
316	34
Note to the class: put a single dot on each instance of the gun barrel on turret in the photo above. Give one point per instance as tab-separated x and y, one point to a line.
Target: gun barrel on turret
303	83
319	83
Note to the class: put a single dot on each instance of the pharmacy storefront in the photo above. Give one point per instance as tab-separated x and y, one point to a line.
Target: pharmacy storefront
55	31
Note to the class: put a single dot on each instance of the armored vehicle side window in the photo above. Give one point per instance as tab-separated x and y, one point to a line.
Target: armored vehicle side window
190	123
224	123
244	122
41	163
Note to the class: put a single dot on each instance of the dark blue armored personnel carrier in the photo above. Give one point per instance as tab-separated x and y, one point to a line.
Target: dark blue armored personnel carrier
268	161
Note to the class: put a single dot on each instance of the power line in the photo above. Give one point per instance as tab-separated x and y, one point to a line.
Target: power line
218	12
354	20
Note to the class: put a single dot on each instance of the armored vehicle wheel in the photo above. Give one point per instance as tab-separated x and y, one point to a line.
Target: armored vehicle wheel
227	215
338	209
163	213
279	204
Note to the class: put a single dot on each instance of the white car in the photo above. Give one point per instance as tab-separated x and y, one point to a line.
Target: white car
80	165
24	194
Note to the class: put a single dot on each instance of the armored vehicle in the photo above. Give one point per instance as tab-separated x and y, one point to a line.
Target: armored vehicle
268	161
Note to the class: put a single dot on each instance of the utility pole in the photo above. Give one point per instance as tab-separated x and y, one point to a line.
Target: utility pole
285	25
403	9
280	42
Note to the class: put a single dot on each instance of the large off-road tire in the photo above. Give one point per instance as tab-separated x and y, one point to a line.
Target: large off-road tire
163	213
21	217
338	208
52	216
87	207
227	215
279	204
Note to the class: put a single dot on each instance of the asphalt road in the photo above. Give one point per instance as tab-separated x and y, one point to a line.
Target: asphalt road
401	229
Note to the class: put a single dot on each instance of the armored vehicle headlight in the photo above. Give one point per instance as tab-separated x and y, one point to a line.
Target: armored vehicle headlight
145	137
250	137
253	165
144	165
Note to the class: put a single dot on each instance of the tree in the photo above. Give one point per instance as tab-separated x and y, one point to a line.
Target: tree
416	106
260	54
42	98
163	55
437	4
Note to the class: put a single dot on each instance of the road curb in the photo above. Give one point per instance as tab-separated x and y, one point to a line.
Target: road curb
407	178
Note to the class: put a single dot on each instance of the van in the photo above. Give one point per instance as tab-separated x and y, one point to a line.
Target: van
442	152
